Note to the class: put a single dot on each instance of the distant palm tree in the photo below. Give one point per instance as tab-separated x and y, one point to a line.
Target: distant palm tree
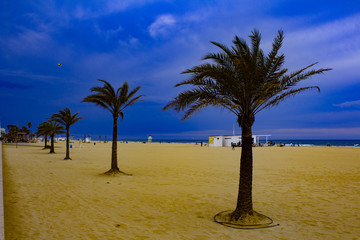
50	128
65	118
30	134
42	131
244	81
115	102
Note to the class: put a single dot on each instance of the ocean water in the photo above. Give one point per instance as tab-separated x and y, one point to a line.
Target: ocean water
301	142
316	142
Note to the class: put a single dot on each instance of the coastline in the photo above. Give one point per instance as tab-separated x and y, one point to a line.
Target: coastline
287	142
175	191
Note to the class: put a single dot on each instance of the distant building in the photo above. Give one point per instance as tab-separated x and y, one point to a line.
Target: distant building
228	140
149	139
2	131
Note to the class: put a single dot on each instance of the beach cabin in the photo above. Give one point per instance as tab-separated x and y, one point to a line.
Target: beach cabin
2	131
228	140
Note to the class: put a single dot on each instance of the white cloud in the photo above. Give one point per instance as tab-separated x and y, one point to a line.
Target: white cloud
93	9
332	41
334	30
131	42
112	6
348	104
25	74
27	41
162	25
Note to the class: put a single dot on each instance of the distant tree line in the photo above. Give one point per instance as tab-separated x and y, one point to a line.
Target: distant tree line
16	134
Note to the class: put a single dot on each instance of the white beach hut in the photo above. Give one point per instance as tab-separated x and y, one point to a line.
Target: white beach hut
228	140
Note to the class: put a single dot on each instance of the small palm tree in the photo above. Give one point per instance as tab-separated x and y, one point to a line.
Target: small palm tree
114	101
65	118
244	81
50	128
42	131
29	126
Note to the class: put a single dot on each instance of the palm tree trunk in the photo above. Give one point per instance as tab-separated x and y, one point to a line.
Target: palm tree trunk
52	148
244	201
67	143
114	163
45	143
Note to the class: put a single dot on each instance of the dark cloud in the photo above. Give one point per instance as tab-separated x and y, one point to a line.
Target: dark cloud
6	84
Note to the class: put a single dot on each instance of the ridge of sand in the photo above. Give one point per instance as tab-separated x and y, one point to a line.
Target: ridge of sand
175	190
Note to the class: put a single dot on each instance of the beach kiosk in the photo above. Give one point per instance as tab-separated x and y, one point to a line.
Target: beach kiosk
228	140
149	139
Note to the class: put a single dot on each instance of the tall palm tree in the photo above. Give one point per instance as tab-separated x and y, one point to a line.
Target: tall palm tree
244	81
50	128
114	101
65	118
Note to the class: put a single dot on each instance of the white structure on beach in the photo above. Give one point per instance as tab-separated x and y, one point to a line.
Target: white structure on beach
149	139
228	140
2	131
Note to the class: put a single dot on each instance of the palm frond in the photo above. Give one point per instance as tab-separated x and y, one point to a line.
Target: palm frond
115	102
281	97
255	38
131	102
241	79
99	100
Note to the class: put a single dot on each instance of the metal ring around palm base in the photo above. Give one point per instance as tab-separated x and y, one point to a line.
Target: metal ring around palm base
240	226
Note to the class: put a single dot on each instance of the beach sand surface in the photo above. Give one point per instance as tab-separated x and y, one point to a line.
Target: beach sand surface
175	190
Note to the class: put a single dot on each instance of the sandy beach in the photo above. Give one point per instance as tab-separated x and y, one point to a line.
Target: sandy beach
175	190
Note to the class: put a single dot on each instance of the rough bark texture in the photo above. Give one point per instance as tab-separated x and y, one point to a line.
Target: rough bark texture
114	164
45	146
244	216
244	202
52	148
114	170
67	143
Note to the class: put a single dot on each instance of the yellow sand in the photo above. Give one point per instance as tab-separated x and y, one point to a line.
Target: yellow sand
175	190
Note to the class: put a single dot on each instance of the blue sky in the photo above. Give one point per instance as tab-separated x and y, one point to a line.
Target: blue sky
150	42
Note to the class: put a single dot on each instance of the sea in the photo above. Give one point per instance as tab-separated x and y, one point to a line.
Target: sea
286	142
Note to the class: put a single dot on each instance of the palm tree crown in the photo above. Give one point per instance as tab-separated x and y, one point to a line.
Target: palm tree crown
242	80
65	117
42	130
114	101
